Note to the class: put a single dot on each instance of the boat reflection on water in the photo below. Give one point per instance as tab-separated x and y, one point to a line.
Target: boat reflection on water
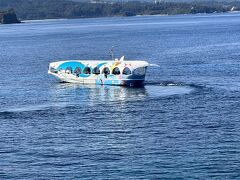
77	93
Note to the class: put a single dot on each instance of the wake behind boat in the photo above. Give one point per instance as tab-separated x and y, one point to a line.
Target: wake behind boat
118	72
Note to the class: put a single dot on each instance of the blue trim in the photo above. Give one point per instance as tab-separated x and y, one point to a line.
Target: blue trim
101	64
72	64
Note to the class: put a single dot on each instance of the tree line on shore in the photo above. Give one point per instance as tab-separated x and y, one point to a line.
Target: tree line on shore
8	17
44	9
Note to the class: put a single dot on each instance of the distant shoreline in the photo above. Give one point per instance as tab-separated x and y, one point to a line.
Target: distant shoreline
160	15
64	9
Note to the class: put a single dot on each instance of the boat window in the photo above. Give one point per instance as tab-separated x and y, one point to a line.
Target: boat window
53	70
68	70
106	70
126	71
140	71
77	71
96	70
87	70
116	71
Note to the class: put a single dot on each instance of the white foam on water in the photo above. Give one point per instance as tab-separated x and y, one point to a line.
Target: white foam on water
27	108
161	91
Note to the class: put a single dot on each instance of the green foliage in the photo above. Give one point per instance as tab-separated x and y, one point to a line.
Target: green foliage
8	17
42	9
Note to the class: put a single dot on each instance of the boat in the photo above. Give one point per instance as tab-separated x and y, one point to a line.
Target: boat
114	72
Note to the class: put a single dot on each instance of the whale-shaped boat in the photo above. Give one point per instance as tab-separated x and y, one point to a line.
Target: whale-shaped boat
115	72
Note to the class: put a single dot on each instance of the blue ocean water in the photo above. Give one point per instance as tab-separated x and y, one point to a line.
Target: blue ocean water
183	124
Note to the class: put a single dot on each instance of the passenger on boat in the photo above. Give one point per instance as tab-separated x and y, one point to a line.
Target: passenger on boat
106	73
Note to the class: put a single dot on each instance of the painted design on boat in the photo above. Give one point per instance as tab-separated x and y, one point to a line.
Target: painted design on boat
118	72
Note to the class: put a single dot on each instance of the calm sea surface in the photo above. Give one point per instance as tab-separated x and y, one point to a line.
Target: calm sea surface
185	122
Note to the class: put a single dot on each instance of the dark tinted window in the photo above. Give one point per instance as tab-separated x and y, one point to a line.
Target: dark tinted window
116	71
87	70
126	71
77	71
96	70
106	70
68	70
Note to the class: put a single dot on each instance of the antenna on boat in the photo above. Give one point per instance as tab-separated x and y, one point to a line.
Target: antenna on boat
112	52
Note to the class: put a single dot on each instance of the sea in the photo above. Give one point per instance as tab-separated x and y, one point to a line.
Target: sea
184	123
